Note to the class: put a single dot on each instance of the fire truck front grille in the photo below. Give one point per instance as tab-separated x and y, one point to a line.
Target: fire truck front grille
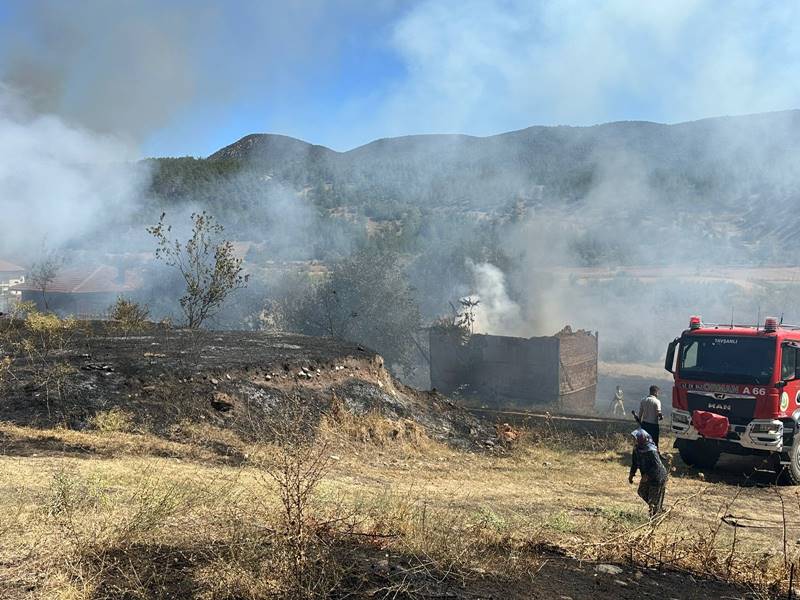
739	411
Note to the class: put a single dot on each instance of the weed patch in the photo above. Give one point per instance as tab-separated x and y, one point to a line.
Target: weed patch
113	421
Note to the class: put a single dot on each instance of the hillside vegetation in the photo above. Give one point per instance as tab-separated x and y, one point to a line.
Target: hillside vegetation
685	179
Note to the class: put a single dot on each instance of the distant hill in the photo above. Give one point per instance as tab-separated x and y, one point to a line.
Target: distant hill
271	148
699	151
731	179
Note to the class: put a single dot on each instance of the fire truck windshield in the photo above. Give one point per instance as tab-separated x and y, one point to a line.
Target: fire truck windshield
735	359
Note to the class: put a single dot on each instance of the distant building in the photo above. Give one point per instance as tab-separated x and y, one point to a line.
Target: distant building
10	276
83	292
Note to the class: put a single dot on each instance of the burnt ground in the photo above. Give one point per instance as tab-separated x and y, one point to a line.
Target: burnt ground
229	379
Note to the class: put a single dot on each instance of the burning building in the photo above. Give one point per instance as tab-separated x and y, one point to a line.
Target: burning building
557	373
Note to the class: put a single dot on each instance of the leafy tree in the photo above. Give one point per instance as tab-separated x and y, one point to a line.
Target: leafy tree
205	261
43	273
365	299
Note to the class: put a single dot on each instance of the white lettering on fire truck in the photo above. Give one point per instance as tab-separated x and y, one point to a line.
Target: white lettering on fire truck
712	387
755	391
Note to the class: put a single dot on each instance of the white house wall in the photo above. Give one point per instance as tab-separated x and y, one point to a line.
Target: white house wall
8	297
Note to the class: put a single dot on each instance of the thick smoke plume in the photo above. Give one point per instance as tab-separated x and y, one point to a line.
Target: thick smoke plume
136	68
498	313
60	184
634	257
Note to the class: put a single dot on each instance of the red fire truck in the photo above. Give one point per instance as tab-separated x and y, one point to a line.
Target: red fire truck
747	378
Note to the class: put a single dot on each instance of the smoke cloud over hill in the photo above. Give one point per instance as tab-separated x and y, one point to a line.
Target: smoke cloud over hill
480	67
60	185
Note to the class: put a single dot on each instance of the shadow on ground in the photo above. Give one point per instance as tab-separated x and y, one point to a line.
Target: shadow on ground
367	570
733	470
28	446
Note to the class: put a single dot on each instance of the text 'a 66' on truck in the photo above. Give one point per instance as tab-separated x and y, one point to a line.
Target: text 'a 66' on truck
737	390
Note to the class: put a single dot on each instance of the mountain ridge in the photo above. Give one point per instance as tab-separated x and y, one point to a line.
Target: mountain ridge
252	138
724	186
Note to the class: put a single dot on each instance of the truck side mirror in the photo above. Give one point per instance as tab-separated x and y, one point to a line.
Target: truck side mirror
669	361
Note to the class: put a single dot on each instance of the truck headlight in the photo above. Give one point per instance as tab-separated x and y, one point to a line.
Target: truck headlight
680	418
767	428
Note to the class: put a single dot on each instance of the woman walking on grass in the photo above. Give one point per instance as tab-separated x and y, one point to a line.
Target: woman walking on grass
646	459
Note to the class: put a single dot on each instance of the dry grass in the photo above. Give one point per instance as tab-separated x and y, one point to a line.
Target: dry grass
137	516
373	429
113	421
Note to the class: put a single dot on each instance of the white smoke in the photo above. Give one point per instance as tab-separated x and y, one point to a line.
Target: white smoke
497	313
485	66
469	66
150	70
58	183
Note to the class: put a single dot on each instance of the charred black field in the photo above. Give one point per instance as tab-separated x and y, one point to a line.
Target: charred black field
229	379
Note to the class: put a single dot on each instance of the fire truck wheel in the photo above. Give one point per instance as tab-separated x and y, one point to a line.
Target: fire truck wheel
697	454
791	474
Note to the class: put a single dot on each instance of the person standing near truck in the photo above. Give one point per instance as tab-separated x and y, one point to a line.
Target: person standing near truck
617	403
645	458
650	413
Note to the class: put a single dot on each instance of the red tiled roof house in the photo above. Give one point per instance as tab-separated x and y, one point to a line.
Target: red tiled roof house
85	292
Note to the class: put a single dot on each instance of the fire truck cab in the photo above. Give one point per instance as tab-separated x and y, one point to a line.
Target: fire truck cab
748	375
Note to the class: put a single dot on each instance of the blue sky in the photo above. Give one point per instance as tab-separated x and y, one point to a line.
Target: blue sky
186	77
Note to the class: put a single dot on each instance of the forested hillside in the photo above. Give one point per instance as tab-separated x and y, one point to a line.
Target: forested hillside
600	182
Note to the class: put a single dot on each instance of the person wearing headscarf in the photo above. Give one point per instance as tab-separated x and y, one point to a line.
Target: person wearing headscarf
646	459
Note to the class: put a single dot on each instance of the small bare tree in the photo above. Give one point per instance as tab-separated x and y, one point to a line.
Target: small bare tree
298	461
43	273
466	318
459	324
205	261
44	339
